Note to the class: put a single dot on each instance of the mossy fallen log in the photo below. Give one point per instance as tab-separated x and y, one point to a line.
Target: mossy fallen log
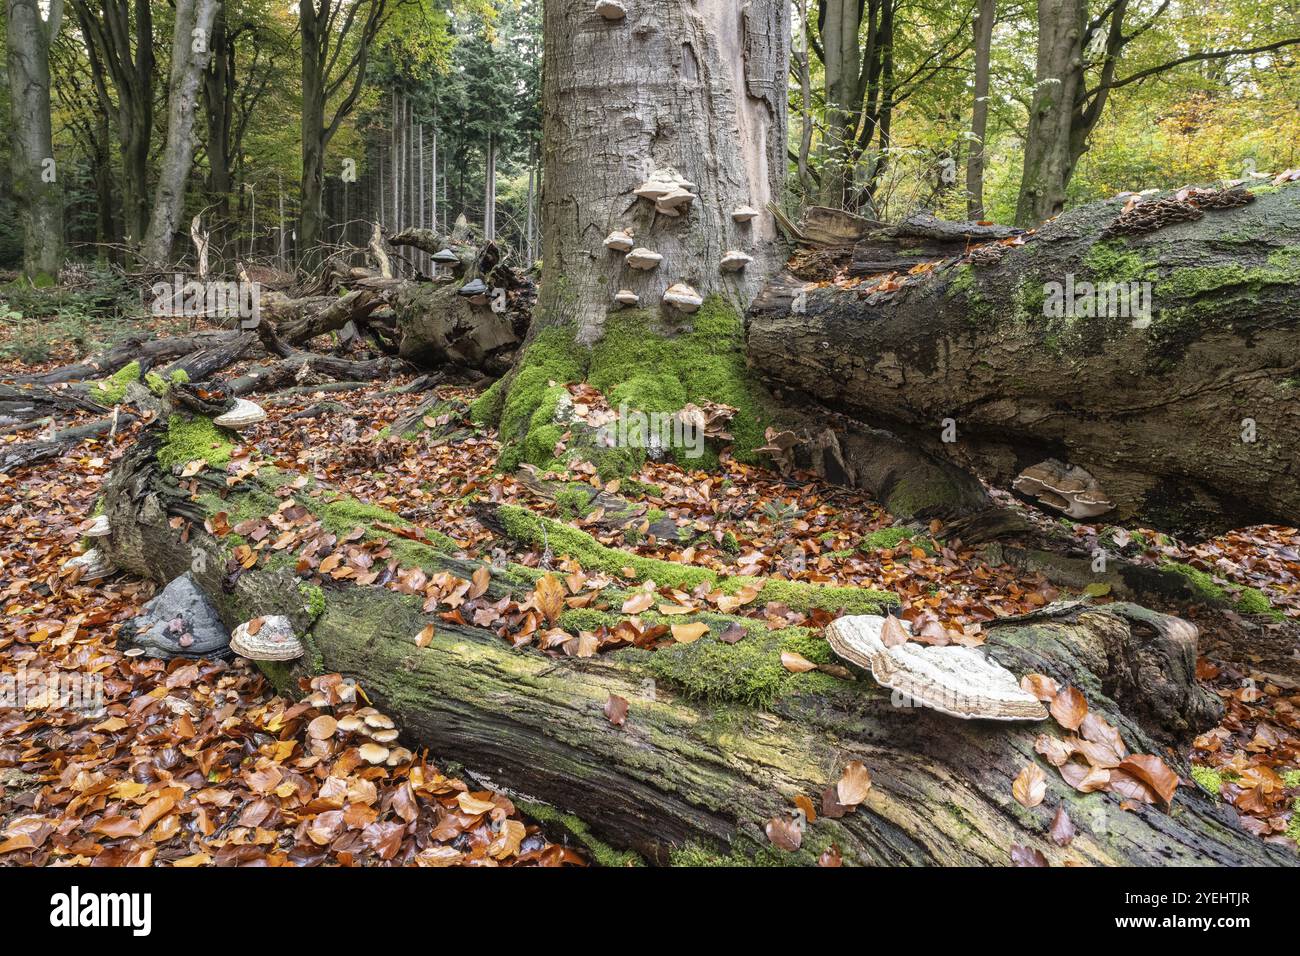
719	737
1165	364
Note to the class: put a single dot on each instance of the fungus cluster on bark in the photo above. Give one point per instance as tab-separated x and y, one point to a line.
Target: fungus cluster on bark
1065	488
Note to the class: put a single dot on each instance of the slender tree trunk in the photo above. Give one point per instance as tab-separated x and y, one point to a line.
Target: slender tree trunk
840	24
980	111
313	136
191	50
490	191
700	90
1049	152
218	102
35	174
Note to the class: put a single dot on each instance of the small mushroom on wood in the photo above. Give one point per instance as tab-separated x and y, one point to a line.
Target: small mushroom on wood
952	679
611	9
266	639
683	298
242	415
619	241
645	259
627	297
735	261
1066	488
745	214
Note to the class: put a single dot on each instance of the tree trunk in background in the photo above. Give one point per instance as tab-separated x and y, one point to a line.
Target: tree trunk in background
191	50
980	111
1049	150
839	24
312	184
695	86
35	175
219	108
122	33
490	191
1186	417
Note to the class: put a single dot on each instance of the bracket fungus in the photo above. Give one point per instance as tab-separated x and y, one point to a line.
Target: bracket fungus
645	259
735	261
683	298
241	415
1066	488
611	9
627	297
655	189
266	639
99	528
745	214
619	241
93	564
952	679
673	203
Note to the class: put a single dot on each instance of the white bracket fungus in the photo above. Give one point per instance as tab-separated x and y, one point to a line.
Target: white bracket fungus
735	261
611	9
271	640
1067	488
683	298
645	259
958	681
619	241
243	414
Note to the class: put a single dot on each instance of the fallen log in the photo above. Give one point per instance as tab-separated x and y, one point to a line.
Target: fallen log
1163	363
149	352
718	737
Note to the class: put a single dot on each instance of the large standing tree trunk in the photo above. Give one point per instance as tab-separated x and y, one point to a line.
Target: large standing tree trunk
1050	145
1184	413
687	779
191	50
35	176
696	87
980	110
122	33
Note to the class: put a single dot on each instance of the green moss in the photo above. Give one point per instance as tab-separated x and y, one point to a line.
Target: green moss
1205	590
640	365
315	598
729	543
191	438
1293	826
1113	261
111	390
159	385
346	514
885	538
577	829
928	493
1291	778
552	356
572	503
1208	778
748	672
567	541
486	409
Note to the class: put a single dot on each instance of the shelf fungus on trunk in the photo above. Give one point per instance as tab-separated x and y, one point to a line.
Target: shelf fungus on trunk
644	259
93	565
268	638
627	297
735	260
683	298
99	528
243	414
1065	488
619	241
611	9
958	681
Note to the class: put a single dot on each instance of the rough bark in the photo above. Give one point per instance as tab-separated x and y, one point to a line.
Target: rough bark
35	181
1161	414
684	771
698	87
980	110
191	51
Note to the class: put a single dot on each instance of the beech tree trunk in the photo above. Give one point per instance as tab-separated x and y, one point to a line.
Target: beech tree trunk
32	163
698	87
191	50
1185	417
985	17
682	771
1051	149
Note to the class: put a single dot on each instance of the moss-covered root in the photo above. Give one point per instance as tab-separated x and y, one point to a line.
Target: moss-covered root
111	390
640	366
564	540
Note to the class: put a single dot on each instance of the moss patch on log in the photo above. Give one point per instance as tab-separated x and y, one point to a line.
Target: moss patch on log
580	833
190	438
111	390
1204	589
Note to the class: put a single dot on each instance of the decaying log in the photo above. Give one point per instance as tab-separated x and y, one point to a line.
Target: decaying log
21	454
135	348
681	770
1184	416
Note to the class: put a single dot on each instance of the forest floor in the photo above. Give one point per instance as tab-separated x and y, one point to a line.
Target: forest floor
201	763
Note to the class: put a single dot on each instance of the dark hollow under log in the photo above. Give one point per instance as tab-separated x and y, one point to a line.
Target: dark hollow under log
682	770
1187	420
